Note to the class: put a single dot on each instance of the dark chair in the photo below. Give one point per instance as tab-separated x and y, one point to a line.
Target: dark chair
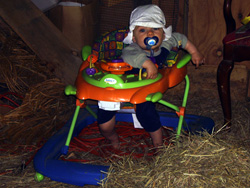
236	46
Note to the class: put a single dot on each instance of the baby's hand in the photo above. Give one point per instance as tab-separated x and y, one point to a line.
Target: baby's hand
198	59
151	69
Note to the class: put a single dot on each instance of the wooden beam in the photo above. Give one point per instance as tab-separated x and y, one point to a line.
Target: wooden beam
47	41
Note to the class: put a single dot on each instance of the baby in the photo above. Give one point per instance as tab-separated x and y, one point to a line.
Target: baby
148	38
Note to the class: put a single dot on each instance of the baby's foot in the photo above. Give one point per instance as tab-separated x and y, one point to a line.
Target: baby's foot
115	143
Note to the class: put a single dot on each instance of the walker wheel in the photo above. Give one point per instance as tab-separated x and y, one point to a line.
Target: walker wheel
39	177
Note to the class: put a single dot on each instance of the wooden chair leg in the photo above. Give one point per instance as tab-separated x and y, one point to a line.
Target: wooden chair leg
223	81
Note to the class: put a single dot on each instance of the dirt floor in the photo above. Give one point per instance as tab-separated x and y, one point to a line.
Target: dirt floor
16	167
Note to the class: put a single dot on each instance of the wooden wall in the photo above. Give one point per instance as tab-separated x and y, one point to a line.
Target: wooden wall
206	26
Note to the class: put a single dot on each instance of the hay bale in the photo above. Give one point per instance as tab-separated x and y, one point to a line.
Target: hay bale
201	161
44	110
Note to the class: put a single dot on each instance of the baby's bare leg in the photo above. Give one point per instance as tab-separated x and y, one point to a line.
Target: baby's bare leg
107	129
157	137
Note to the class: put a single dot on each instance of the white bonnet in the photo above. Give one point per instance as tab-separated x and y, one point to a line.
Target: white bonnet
147	16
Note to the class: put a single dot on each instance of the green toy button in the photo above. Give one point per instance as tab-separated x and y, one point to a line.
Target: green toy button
70	90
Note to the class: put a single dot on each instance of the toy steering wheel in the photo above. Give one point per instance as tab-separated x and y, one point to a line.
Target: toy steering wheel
117	66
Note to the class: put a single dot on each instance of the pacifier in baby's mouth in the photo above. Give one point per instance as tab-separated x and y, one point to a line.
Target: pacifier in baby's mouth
150	42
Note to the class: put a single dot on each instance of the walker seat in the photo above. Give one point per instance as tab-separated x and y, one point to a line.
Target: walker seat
103	76
106	80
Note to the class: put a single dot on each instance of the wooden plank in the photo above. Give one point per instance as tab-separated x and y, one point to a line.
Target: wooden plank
181	25
42	37
206	28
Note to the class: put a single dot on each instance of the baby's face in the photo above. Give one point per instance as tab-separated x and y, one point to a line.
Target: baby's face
141	32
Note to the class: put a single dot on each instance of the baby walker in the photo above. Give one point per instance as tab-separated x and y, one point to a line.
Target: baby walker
107	81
